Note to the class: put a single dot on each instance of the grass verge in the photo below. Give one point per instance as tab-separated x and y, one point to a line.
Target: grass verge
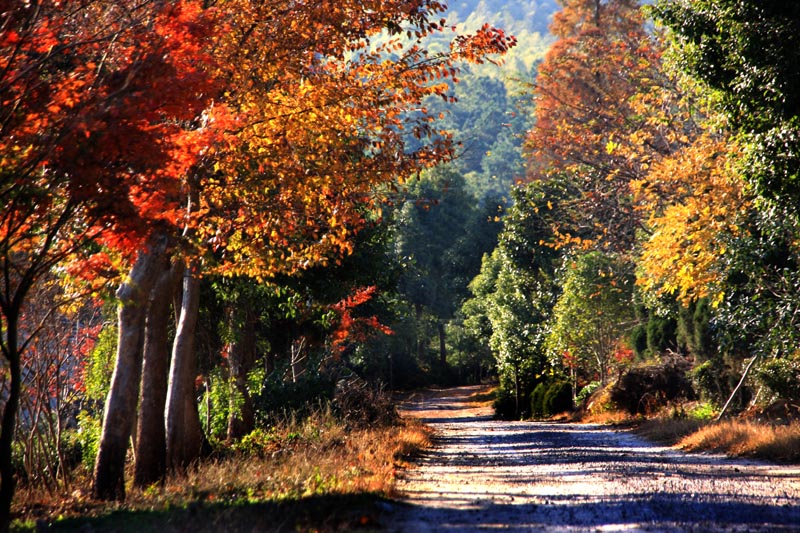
744	438
315	475
735	438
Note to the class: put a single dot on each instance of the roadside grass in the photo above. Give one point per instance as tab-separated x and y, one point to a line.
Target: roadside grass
314	474
693	430
746	438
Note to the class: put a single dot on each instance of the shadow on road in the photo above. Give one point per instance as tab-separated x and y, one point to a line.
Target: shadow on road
529	476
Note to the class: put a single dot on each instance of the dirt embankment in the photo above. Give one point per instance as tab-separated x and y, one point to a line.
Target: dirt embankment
539	476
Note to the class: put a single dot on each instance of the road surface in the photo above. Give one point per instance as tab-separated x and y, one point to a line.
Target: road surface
537	476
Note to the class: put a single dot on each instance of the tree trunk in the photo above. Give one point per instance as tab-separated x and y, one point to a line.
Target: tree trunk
7	480
241	357
133	294
184	434
151	457
736	389
442	345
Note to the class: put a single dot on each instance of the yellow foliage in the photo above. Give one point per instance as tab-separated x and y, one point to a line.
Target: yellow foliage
687	239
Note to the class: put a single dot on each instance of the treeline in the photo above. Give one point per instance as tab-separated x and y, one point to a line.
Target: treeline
656	236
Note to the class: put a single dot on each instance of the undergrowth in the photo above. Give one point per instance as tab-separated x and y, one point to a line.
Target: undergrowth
292	476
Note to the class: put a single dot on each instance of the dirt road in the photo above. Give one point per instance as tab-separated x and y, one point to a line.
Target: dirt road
533	476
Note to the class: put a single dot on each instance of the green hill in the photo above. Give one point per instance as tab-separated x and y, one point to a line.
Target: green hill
527	20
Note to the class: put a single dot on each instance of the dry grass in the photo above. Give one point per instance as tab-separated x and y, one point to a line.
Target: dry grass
302	473
736	438
669	431
742	438
612	417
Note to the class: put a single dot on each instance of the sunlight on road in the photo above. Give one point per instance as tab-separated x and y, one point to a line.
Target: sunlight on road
536	476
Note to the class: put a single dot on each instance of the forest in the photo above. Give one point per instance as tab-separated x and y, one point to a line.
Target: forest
231	226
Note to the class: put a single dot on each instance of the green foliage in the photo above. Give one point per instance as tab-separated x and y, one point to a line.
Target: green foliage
517	288
702	411
661	334
505	405
760	313
88	435
537	400
256	442
712	380
278	399
593	313
781	377
587	391
638	340
694	330
558	398
101	363
551	397
748	51
215	407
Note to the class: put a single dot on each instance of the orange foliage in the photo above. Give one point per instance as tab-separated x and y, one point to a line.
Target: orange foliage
605	112
318	120
354	329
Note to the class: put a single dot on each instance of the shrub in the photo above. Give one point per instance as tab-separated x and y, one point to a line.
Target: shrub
646	389
550	398
362	406
277	397
587	391
782	377
505	405
558	398
88	436
711	379
537	400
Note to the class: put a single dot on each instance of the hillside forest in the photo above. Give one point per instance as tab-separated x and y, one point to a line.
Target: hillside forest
220	214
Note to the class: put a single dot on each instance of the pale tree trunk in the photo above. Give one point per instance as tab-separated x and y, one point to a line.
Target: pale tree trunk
296	358
442	345
736	389
241	357
184	434
151	458
109	469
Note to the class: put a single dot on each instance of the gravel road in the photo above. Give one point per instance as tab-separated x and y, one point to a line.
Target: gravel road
539	476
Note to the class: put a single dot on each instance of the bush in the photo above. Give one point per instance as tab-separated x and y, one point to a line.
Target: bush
711	379
277	398
88	437
537	400
362	406
646	389
587	391
558	398
782	377
505	405
550	398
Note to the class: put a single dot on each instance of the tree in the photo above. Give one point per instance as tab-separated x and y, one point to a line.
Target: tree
747	51
593	313
592	116
431	225
91	143
517	285
688	237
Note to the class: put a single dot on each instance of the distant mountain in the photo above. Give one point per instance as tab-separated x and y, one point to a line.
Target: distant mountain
527	20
